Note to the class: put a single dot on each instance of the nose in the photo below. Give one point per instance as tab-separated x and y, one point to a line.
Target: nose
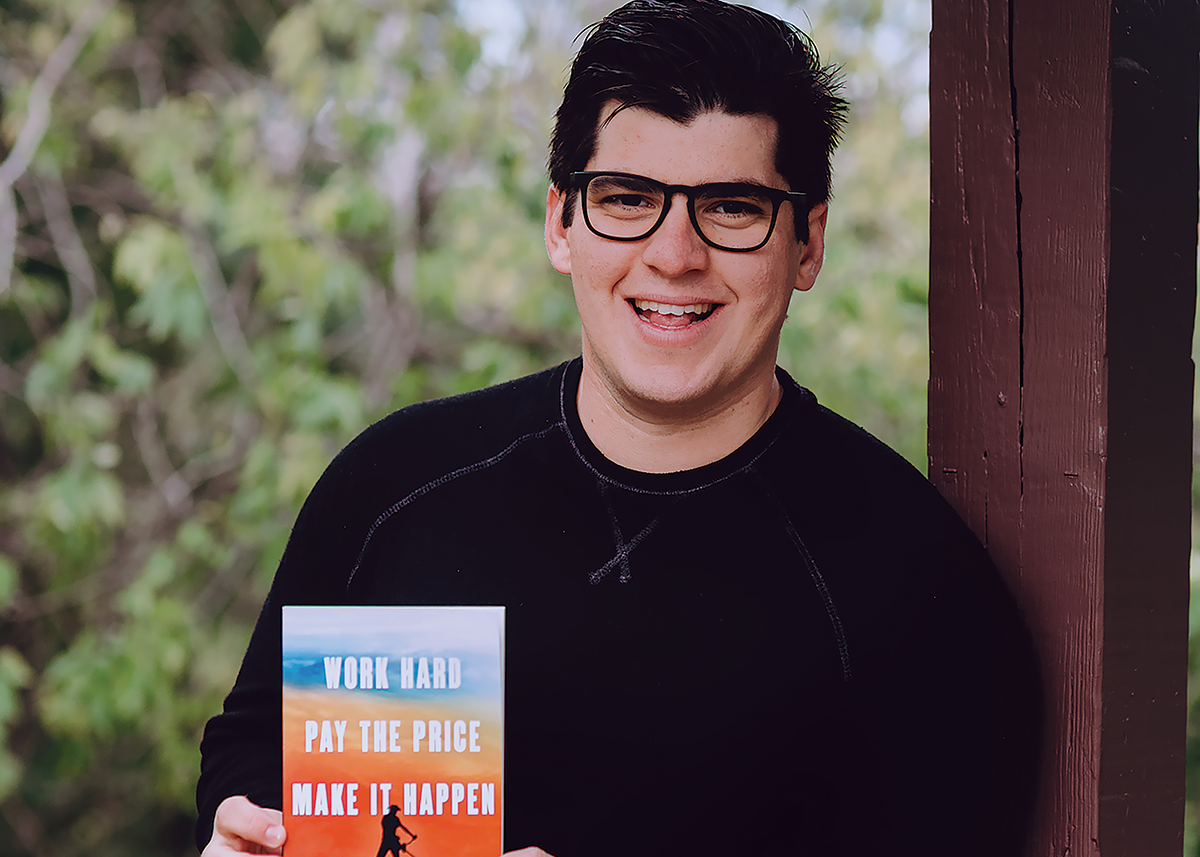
675	248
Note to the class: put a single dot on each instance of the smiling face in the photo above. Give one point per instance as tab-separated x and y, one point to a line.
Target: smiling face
675	330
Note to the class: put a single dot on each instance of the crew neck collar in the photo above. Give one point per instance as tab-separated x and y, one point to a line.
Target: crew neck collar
791	406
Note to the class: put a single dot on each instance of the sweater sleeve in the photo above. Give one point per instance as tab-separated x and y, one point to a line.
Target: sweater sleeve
954	710
946	695
241	752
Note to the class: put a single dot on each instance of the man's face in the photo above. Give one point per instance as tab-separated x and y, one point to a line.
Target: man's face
659	363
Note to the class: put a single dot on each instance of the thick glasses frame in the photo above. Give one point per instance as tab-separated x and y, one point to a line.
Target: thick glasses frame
580	181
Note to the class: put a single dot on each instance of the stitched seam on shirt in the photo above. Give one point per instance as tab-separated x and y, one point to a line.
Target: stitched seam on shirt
817	578
562	410
622	556
439	482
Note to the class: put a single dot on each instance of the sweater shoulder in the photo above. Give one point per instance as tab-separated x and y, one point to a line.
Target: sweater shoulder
431	438
835	472
826	443
422	443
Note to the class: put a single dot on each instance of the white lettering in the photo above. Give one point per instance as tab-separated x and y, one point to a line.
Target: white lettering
366	673
457	793
426	800
331	799
410	798
474	736
364	726
351	670
380	732
460	736
394	736
487	792
455	673
423	673
406	673
472	798
381	674
435	737
333	671
301	798
439	673
443	795
310	734
418	734
340	727
326	738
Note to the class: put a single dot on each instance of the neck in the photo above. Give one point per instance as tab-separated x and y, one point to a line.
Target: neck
667	439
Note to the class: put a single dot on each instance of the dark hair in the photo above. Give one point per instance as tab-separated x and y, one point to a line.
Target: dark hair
682	58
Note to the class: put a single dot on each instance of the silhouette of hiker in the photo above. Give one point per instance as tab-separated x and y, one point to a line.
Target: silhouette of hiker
391	842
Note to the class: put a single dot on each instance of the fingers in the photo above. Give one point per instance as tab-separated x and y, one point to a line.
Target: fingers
241	827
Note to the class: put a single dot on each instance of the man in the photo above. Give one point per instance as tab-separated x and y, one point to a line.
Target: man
391	843
728	609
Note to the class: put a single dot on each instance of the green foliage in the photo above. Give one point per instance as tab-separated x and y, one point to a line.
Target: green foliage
250	229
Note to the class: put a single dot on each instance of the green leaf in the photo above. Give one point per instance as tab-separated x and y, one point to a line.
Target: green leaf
130	374
154	261
10	577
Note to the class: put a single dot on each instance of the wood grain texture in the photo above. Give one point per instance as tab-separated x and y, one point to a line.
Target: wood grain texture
1060	63
975	384
1062	289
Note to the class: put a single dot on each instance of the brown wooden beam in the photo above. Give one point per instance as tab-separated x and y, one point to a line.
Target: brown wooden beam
1062	294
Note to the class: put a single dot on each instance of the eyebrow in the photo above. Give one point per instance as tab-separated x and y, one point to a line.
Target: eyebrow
735	180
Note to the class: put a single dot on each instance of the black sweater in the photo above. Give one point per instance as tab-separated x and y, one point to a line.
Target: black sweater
798	649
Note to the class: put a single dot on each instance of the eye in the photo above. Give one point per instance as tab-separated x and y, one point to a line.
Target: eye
733	211
626	200
623	197
739	207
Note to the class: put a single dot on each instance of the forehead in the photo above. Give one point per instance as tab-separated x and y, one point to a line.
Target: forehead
714	146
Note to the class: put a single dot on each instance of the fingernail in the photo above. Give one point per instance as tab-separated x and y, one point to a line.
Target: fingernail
274	836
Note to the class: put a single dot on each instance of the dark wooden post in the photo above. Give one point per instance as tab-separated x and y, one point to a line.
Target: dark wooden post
1062	294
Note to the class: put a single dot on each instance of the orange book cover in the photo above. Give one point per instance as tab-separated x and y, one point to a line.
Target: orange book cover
393	731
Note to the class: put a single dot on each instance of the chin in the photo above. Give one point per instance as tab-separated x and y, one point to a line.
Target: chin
668	389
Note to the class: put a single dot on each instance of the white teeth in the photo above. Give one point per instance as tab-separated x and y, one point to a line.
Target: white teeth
672	309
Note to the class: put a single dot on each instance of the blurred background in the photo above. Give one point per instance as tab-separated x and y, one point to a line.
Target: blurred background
235	232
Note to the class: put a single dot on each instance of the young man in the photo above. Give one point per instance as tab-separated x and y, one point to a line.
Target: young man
734	620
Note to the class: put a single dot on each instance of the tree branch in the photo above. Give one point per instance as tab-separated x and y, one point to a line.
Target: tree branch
221	310
11	381
173	487
37	119
8	235
230	455
81	278
25	824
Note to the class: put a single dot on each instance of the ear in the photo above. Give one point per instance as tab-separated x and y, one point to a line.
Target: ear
812	256
558	241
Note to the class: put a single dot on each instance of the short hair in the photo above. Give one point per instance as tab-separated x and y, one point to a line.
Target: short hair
682	58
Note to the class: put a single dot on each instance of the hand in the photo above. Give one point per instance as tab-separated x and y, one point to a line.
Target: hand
527	852
242	827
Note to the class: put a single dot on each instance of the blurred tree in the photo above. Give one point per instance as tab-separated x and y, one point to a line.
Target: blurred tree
232	233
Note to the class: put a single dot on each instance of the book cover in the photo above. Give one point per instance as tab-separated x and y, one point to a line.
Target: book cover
393	731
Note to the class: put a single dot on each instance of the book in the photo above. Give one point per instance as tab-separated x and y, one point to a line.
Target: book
393	731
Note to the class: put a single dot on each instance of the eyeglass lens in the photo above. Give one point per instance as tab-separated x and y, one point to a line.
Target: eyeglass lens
729	216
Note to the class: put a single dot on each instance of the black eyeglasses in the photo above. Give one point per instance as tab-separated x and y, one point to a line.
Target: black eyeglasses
735	216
